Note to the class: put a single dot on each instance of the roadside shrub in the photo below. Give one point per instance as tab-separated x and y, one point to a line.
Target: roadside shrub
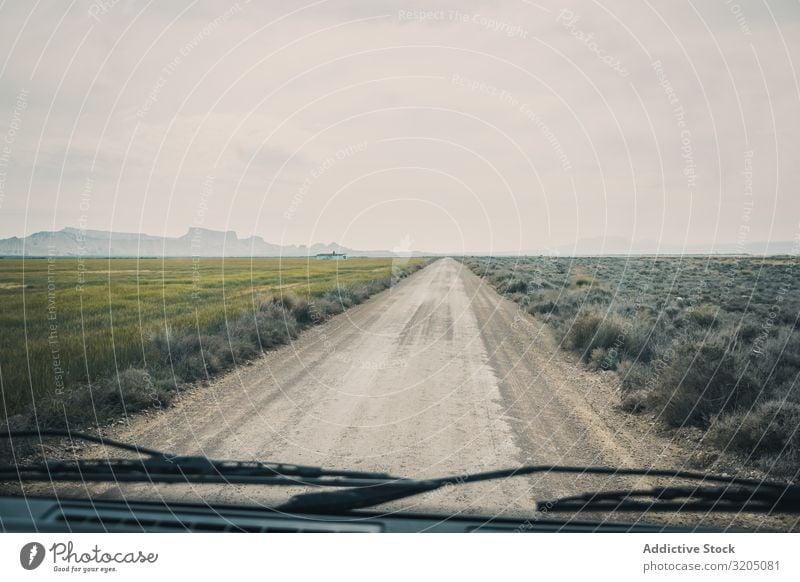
634	401
704	380
285	300
583	330
500	275
53	411
275	326
303	312
192	367
777	358
516	286
361	292
131	390
546	306
591	330
134	389
641	337
344	296
604	359
270	326
196	357
242	349
772	426
542	301
633	375
219	348
329	307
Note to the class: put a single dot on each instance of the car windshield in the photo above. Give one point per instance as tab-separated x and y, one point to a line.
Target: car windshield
424	243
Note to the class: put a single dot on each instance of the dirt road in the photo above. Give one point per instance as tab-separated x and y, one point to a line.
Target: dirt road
439	375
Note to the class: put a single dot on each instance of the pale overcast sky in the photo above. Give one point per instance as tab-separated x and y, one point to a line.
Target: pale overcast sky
469	126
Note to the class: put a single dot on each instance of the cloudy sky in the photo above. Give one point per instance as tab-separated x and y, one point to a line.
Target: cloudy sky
470	126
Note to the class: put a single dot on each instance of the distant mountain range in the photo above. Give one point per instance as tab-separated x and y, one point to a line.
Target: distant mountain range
201	242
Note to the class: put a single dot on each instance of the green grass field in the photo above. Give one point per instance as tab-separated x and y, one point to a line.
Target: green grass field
68	324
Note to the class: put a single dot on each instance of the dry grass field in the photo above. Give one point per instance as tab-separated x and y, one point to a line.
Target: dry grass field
705	342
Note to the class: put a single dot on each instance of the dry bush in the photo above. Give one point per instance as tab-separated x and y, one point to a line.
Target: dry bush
633	375
592	330
704	380
131	390
771	428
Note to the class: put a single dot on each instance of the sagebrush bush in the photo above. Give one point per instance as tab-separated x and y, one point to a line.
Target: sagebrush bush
196	357
341	295
633	374
274	325
516	286
548	306
604	359
303	312
130	391
194	366
592	330
242	349
777	359
641	337
770	428
596	358
329	307
702	381
634	401
134	389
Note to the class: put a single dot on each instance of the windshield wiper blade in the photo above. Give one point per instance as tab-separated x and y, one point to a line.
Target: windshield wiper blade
366	489
357	498
189	470
81	436
762	498
375	494
160	467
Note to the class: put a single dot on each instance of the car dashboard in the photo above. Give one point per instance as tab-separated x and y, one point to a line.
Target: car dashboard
52	515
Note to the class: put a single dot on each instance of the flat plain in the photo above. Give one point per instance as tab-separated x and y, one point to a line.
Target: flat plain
85	336
705	344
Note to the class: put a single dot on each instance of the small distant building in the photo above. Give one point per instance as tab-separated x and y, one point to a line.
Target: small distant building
332	256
